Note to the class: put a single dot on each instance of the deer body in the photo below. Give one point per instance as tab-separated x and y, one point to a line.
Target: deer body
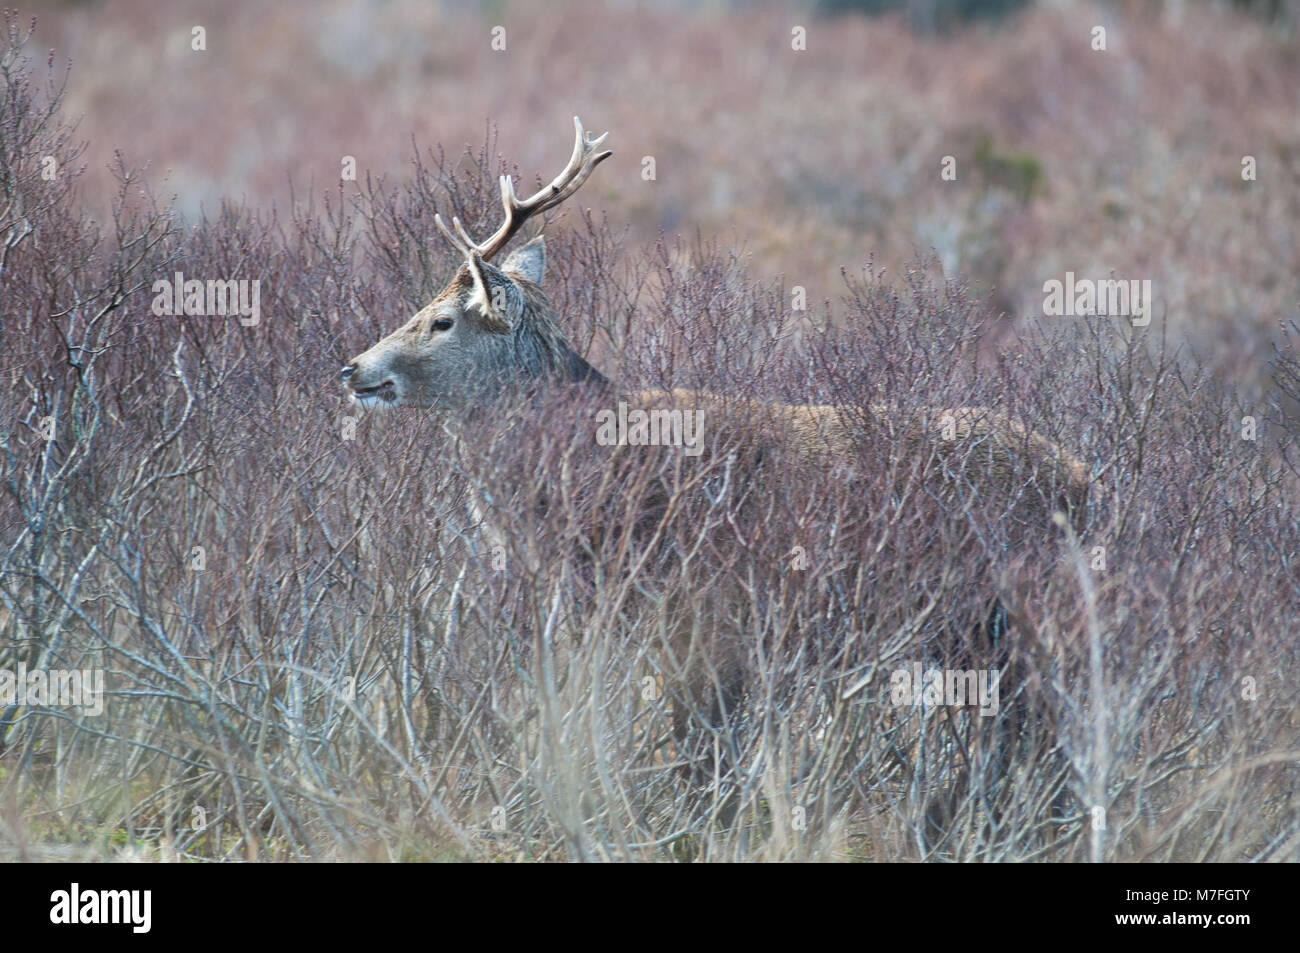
492	330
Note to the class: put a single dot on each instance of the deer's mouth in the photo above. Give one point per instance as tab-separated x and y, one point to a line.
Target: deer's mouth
387	392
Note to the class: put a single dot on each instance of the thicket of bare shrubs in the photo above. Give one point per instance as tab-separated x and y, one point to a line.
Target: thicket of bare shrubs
1066	158
313	653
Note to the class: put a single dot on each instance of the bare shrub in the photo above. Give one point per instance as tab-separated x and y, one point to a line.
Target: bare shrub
311	651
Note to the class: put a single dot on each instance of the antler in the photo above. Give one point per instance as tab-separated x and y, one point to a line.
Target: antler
585	158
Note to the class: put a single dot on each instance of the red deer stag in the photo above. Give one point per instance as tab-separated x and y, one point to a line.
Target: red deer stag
491	330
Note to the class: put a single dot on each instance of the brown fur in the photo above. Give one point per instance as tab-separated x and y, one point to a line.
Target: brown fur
827	435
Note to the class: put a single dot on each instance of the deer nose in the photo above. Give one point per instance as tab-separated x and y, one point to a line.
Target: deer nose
348	371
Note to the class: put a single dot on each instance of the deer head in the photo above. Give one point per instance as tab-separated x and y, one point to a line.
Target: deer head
490	327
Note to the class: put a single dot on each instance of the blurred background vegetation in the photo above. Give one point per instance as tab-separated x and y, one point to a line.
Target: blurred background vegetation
1127	160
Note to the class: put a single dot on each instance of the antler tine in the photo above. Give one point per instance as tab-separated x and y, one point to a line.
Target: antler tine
581	164
461	246
464	235
518	211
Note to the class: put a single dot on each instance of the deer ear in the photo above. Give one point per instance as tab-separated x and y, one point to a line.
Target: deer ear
494	299
528	261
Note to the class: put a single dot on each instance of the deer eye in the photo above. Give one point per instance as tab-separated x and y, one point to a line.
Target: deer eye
442	324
